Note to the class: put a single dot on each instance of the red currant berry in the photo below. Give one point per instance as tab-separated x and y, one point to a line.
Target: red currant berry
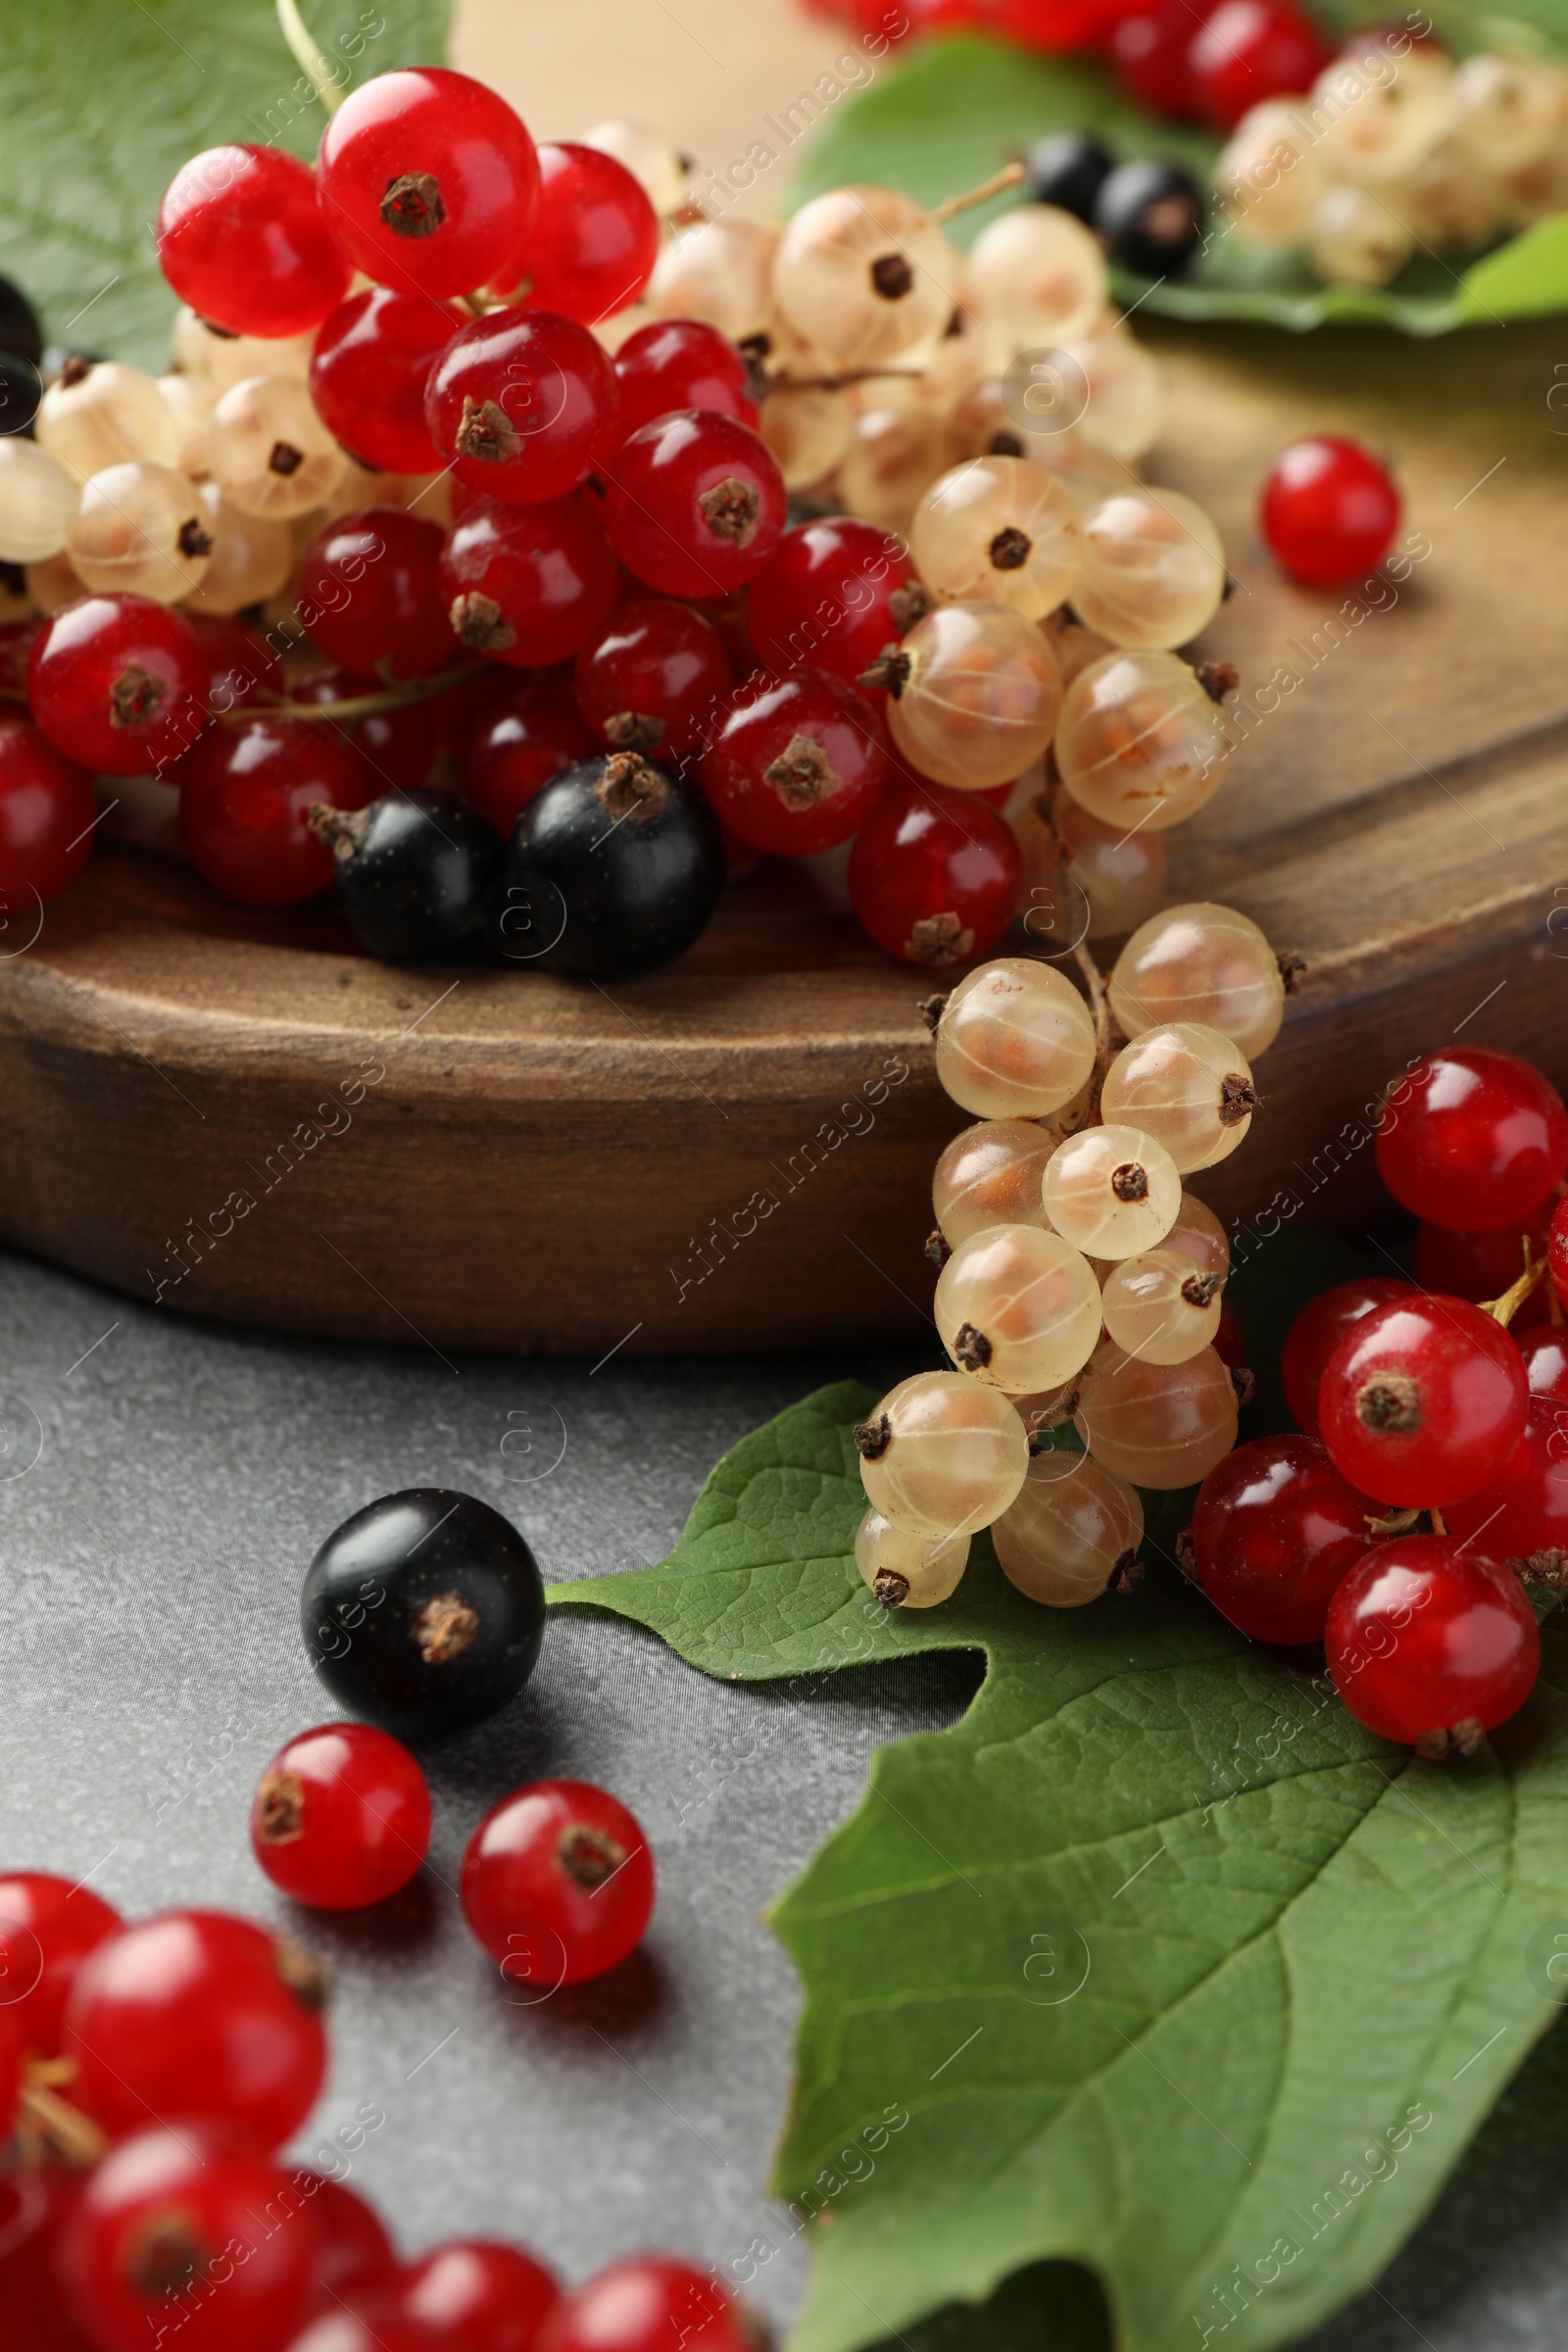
680	364
1483	1265
396	749
368	369
1557	1250
522	734
1328	508
647	2304
371	2322
1318	1330
558	1884
528	585
652	679
241	238
341	1817
197	2014
186	2231
369	593
119	683
353	2250
1427	1641
1250	50
47	814
795	764
1545	1356
33	2203
594	242
427	180
522	404
1473	1138
1150	54
1525	1508
11	2058
241	664
1423	1401
836	593
47	1929
933	874
1230	1341
479	2296
1274	1529
695	504
245	798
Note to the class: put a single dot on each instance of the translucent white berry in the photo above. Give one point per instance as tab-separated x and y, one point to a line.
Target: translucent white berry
720	270
1201	962
975	697
140	531
865	272
269	451
252	557
37	500
1188	1087
998	530
1035	276
1072	1534
1154	569
100	413
1141	744
1156	1425
942	1455
1111	1192
648	157
1018	1308
990	1174
1015	1041
1161	1307
904	1571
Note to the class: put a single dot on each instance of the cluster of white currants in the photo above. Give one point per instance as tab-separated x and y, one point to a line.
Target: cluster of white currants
1396	147
1081	1280
197	487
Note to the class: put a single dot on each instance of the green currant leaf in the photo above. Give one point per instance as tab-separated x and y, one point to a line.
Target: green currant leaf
1157	1967
947	117
104	101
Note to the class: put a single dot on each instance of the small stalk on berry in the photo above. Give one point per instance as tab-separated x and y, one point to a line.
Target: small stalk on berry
315	63
951	206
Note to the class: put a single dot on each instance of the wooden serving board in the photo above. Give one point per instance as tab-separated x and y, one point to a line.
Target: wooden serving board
240	1115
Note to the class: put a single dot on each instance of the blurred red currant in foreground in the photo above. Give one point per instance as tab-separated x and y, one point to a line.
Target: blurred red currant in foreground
647	2304
241	238
369	372
47	814
834	595
1274	1529
47	1929
341	1817
117	683
695	504
245	796
1328	509
1432	1644
523	732
558	1884
933	874
653	677
1250	50
369	593
427	180
1473	1138
478	2295
795	764
528	585
1318	1330
1149	50
353	2250
594	240
1423	1401
680	364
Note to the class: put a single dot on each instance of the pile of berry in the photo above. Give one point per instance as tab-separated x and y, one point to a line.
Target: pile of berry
155	2069
579	660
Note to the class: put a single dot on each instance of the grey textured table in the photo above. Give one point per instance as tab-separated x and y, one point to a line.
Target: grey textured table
152	1554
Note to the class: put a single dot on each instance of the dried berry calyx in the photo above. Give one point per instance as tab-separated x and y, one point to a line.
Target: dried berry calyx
486	432
1009	549
939	939
479	621
1389	1401
731	510
411	206
873	1438
802	774
631	788
971	1348
589	1855
445	1628
1238	1099
1130	1182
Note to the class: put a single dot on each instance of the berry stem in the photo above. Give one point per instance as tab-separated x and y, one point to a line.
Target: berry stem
1514	1297
49	2129
297	33
1100	1007
1438	1524
1007	177
354	706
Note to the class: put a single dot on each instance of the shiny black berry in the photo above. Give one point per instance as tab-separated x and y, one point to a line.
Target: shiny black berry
1068	169
411	871
630	859
423	1613
20	332
1151	217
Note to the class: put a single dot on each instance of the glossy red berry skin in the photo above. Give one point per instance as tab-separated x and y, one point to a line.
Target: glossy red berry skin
1149	51
529	585
353	2251
558	1884
396	750
369	593
47	1928
1426	1634
47	813
341	1817
479	2295
368	369
654	679
1328	509
1543	1353
522	734
241	238
828	595
1318	1330
1483	1265
1250	50
241	664
1274	1529
33	2203
795	764
695	504
1525	1508
199	2015
521	404
192	2209
1423	1401
1230	1341
594	240
680	364
369	2322
427	180
933	874
648	2303
245	798
117	683
1473	1138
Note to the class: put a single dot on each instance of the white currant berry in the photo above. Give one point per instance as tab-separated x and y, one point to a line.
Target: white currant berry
140	531
1156	1425
1018	1308
942	1455
1200	963
37	500
998	530
897	450
974	696
252	557
1035	276
1112	1192
1199	1237
1158	1307
721	271
1358	239
190	400
904	1571
990	1174
1015	1041
1084	879
1385	112
100	413
1154	570
865	272
1142	742
1188	1087
269	451
1124	406
1072	1534
1271	174
661	166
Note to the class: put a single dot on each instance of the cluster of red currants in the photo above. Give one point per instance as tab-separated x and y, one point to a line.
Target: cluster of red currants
1445	1396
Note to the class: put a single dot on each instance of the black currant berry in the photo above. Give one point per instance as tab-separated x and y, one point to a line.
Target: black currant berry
21	390
1151	217
1068	169
20	332
635	857
423	1613
411	871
